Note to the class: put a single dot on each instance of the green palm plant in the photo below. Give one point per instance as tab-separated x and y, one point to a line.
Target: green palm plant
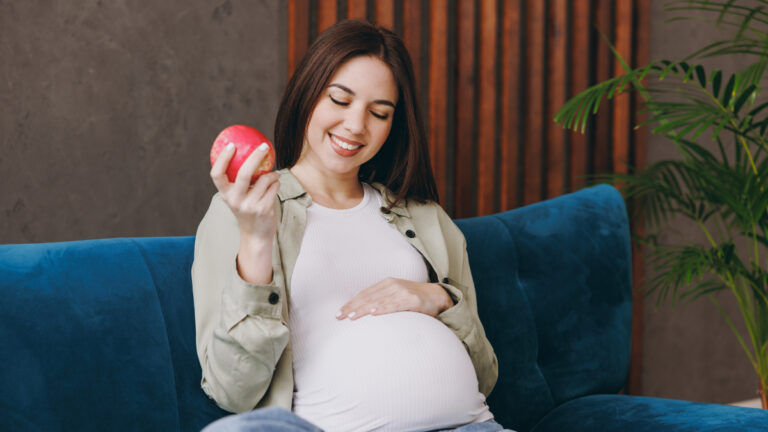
723	191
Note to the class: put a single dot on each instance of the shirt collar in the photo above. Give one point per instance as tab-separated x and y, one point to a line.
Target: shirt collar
290	188
387	197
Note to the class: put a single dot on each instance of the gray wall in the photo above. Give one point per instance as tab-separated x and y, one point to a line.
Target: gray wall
689	351
108	109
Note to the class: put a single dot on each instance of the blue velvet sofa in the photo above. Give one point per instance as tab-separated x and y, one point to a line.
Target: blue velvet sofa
98	335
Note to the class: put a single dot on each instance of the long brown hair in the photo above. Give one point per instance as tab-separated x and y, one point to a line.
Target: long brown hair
402	164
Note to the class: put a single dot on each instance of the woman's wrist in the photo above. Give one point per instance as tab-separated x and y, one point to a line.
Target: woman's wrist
255	243
254	261
447	301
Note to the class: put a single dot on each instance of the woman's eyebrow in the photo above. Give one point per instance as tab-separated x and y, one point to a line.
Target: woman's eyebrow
348	90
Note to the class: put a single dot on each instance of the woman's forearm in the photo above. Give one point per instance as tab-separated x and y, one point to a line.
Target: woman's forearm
254	260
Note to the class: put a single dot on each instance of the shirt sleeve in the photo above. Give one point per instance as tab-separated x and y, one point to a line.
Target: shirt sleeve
463	317
240	332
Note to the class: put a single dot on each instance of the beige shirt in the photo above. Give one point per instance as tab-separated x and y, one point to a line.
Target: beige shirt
243	338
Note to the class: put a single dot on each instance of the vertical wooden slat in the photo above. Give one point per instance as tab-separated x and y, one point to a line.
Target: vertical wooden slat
622	128
356	9
642	57
298	31
486	120
534	91
464	179
602	154
412	35
509	104
385	13
450	103
579	75
327	14
556	95
438	88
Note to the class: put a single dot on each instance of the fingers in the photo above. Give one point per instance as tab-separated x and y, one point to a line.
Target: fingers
271	192
264	185
248	169
382	298
358	313
219	168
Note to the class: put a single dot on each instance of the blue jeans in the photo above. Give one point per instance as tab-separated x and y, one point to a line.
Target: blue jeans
277	419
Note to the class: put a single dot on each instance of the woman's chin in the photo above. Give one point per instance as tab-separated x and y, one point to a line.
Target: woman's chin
342	167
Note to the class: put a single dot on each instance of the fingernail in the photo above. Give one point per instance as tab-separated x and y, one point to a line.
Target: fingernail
338	314
230	146
352	314
373	310
263	147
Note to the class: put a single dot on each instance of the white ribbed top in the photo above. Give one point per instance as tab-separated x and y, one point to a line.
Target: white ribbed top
403	371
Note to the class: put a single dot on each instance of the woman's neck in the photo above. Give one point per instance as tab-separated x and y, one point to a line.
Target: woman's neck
329	190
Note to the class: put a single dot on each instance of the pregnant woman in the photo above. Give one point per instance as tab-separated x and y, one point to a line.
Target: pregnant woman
335	293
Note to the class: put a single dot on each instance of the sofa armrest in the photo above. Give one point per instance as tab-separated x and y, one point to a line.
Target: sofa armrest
639	413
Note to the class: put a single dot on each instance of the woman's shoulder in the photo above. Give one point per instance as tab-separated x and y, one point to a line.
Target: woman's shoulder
411	204
425	212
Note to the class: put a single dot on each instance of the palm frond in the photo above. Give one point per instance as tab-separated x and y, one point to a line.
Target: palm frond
745	17
677	266
574	114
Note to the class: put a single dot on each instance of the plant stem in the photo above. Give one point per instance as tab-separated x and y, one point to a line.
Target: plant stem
754	242
706	232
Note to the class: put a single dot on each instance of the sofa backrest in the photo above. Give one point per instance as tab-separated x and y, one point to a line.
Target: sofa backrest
553	283
99	334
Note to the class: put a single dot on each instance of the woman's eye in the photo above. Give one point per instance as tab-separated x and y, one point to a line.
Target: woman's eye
342	103
338	102
380	116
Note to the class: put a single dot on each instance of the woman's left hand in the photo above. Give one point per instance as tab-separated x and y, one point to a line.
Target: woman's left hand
397	295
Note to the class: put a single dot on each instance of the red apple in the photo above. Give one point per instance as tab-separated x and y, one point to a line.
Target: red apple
246	139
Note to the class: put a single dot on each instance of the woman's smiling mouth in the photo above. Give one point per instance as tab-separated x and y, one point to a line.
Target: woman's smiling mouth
342	147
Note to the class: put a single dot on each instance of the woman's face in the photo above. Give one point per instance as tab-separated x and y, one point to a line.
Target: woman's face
352	118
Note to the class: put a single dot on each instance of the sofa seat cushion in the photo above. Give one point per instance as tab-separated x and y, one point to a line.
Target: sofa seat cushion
638	413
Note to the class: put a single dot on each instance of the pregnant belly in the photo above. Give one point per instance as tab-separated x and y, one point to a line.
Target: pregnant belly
395	372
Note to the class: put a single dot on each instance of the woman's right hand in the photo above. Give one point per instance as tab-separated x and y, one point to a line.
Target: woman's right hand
253	206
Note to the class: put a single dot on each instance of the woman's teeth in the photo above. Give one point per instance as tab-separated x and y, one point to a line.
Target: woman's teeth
344	145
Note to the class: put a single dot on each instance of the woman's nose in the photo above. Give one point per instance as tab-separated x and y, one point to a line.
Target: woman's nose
354	121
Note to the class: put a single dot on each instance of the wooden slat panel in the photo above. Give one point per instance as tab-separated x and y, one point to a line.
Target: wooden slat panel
534	94
642	37
622	127
412	35
327	14
486	120
438	88
356	9
579	75
556	95
602	154
464	179
298	30
385	13
510	108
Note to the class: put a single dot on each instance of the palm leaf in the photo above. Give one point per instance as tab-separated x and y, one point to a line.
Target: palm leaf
746	94
716	79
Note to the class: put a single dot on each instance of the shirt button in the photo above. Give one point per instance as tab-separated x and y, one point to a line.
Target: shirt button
274	298
384	210
410	234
